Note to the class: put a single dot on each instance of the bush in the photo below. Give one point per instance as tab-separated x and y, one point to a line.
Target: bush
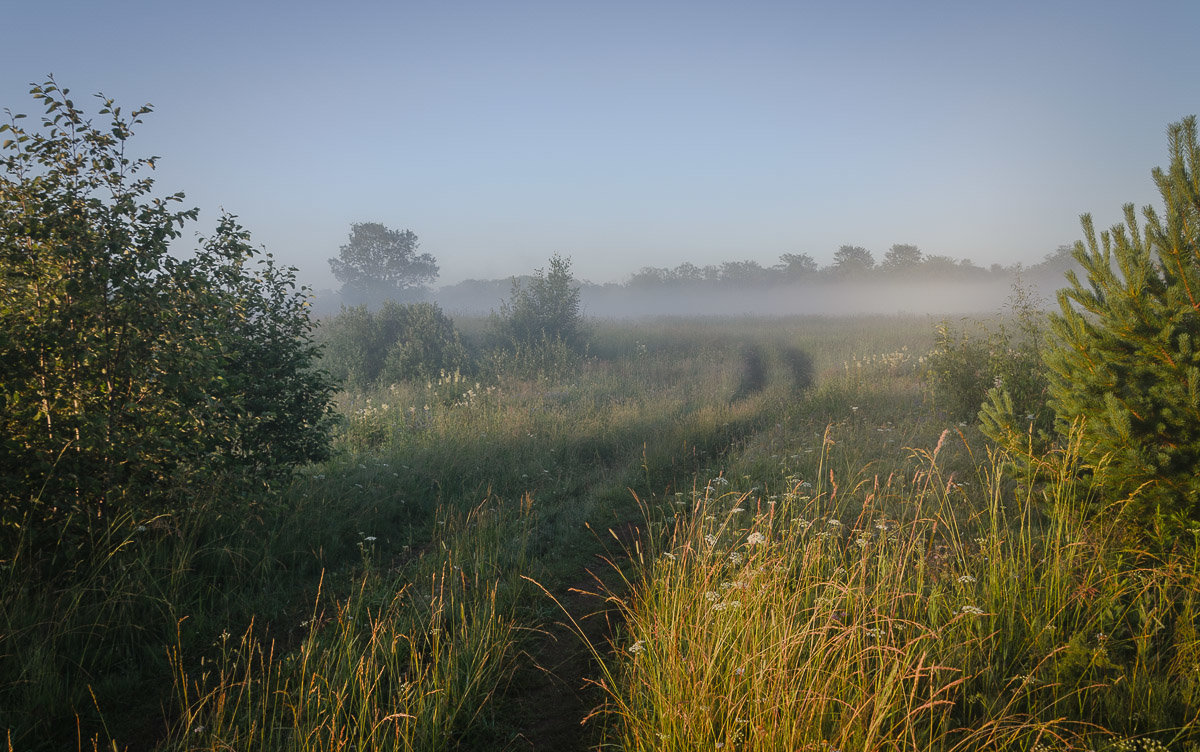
400	342
1125	355
547	309
420	342
126	372
997	376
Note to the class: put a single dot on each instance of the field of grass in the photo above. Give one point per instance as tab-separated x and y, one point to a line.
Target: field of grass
726	534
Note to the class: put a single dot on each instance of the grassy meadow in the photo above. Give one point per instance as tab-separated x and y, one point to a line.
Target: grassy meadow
733	534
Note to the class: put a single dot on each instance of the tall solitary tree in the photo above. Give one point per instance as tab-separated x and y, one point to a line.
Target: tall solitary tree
379	264
1125	354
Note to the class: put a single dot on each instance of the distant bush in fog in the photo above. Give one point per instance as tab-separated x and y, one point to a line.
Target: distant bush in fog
399	342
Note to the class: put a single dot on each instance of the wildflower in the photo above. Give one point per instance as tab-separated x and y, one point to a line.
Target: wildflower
712	596
833	522
141	528
669	556
971	611
637	648
710	539
862	542
755	539
735	557
370	539
735	510
966	579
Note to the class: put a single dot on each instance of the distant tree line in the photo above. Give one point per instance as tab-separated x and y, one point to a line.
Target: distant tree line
850	262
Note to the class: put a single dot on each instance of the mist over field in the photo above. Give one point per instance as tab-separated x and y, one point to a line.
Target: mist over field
904	280
874	297
807	298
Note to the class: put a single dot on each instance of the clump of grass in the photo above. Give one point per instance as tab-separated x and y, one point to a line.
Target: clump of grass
401	664
363	678
915	615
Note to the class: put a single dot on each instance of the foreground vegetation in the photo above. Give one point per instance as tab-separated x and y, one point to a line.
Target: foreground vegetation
830	567
791	534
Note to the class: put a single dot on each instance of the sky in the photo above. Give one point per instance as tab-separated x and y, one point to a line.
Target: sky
632	134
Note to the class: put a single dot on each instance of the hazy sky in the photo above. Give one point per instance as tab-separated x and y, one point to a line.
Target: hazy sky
626	134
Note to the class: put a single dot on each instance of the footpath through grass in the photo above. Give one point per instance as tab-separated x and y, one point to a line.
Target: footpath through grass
386	600
803	556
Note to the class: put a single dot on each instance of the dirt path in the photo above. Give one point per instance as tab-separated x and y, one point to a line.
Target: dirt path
554	694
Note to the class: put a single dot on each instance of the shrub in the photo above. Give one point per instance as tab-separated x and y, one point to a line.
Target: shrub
996	376
547	309
127	372
400	342
1125	355
420	342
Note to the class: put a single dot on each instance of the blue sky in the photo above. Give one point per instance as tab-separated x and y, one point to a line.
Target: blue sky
627	134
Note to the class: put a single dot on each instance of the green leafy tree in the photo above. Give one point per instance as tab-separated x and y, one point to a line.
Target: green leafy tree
743	273
852	260
1125	353
124	370
379	264
796	265
546	309
902	257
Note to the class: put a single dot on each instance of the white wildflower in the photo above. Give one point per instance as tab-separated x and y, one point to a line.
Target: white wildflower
755	539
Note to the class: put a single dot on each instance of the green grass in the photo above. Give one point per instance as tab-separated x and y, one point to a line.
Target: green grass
920	613
390	598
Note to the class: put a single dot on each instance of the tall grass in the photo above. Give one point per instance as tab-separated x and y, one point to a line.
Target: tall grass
806	581
909	615
403	663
